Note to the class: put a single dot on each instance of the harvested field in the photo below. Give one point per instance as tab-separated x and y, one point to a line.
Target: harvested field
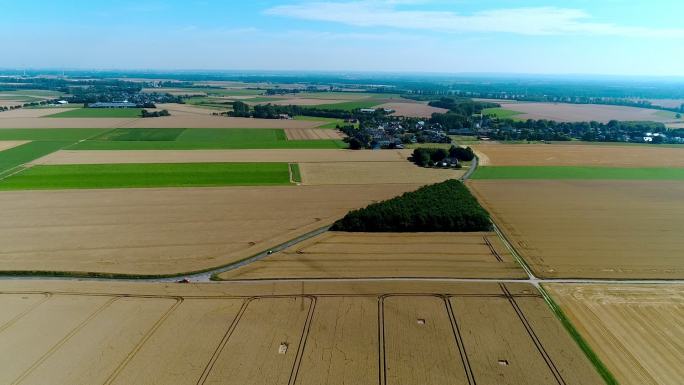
194	156
7	144
564	112
10	103
635	329
99	113
169	231
31	113
312	134
387	255
578	155
591	229
284	333
415	109
359	173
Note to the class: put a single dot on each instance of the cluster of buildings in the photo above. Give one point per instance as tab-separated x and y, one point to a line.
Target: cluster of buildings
396	134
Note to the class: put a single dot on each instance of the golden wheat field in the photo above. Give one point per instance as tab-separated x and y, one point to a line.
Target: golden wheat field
283	333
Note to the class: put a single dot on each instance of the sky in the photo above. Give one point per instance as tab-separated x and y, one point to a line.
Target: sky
602	37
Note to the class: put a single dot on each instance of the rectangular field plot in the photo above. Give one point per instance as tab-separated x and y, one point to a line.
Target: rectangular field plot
201	138
264	346
419	343
573	172
100	113
591	229
500	351
342	344
94	176
407	255
178	352
636	330
14	306
579	155
409	333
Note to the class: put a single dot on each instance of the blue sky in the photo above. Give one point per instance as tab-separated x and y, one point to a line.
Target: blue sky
617	37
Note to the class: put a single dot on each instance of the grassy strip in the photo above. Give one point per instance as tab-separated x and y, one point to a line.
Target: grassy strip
19	155
295	173
201	138
583	344
148	175
572	172
99	113
62	134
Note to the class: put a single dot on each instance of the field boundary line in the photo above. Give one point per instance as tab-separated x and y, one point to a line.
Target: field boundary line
224	340
382	361
143	340
16	318
600	367
535	339
303	338
64	340
459	340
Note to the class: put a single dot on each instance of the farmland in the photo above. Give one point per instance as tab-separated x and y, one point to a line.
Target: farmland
590	228
501	113
579	155
402	171
169	231
564	112
91	176
393	255
99	113
281	333
634	328
199	138
577	172
415	109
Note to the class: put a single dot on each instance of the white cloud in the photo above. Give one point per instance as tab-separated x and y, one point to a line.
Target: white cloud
523	21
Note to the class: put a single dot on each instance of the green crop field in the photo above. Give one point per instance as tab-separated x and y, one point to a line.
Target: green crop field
19	155
148	175
63	134
201	138
501	113
99	113
572	172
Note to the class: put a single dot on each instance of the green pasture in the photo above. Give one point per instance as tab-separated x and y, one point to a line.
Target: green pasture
95	176
501	113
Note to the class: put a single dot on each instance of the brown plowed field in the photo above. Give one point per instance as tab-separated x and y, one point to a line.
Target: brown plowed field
336	173
565	112
165	231
636	330
312	134
406	255
202	156
30	113
307	333
418	110
591	229
578	155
